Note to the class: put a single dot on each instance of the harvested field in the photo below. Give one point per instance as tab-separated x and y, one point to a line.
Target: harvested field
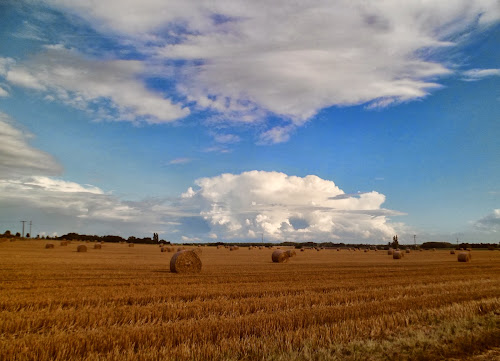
125	304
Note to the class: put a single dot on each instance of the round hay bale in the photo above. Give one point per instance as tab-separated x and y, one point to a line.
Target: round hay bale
397	255
338	249
163	249
469	249
407	250
219	246
131	245
97	246
234	248
291	253
185	261
366	250
390	252
302	250
181	249
464	257
452	251
170	249
280	256
81	248
49	245
64	243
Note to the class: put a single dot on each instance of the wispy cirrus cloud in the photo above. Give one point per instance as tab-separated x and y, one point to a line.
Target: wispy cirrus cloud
478	74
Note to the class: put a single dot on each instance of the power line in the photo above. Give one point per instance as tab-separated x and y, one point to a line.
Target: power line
23	222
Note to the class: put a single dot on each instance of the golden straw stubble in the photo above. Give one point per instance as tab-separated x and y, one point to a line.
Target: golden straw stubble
185	261
280	256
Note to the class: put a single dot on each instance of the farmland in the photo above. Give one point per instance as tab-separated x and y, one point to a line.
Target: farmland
123	303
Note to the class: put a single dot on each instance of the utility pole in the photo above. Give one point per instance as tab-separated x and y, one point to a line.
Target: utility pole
30	231
415	240
262	237
23	222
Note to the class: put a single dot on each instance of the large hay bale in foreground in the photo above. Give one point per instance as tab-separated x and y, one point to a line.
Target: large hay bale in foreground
81	248
185	261
49	245
398	255
97	246
280	256
291	253
464	257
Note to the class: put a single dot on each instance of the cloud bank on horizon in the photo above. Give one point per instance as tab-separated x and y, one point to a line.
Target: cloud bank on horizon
245	62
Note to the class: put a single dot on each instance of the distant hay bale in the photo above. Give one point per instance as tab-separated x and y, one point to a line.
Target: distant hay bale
234	248
170	249
260	247
390	252
464	257
375	249
291	253
366	250
163	249
131	245
49	245
433	249
338	249
81	248
452	251
185	261
407	250
197	250
397	255
302	250
181	249
97	246
469	249
280	256
219	246
64	243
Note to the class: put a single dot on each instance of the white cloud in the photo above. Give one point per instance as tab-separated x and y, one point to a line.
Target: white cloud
276	135
489	223
478	74
287	208
180	161
247	60
17	157
111	89
3	92
226	138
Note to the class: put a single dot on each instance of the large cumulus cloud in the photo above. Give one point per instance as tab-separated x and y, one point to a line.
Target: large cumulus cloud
284	207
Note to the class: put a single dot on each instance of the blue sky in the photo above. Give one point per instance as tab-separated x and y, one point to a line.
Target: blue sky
327	121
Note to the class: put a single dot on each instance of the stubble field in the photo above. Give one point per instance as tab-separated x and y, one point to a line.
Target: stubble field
122	303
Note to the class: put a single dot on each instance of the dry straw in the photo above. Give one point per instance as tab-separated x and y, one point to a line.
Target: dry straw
185	261
81	248
181	249
280	256
197	250
464	257
398	255
49	245
97	246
